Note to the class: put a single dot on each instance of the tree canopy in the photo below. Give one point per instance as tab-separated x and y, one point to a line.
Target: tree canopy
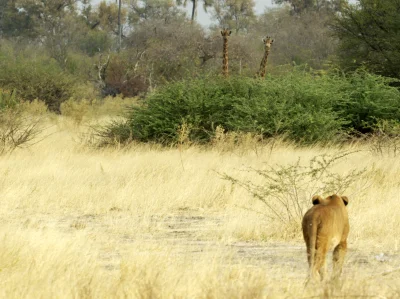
235	14
300	5
161	42
369	34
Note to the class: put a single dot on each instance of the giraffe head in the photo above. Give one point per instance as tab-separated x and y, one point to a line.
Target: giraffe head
226	33
268	42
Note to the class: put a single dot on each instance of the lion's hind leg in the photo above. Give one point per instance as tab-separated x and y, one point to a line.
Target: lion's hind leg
338	258
323	270
319	266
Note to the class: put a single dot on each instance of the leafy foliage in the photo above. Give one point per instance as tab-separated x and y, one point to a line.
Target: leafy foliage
38	78
234	14
299	6
238	104
206	3
369	34
366	99
300	106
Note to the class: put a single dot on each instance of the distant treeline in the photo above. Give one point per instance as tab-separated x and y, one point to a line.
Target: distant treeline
72	43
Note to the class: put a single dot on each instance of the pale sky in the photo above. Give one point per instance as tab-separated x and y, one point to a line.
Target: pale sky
204	19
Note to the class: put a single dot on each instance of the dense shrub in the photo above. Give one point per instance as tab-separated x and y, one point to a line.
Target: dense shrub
301	106
366	99
39	78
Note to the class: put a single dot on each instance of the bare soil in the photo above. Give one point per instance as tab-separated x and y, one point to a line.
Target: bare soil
188	234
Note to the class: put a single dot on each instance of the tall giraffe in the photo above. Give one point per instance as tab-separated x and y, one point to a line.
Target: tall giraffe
225	34
263	65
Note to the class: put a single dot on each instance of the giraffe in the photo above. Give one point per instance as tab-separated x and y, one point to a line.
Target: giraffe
225	34
263	65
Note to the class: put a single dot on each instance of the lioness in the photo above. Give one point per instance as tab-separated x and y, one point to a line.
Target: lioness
326	226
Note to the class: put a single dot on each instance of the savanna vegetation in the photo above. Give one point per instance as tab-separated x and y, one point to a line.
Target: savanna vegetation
131	168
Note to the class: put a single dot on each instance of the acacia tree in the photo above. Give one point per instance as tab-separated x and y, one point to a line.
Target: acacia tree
300	5
14	22
235	14
206	4
108	14
25	18
53	23
147	10
369	34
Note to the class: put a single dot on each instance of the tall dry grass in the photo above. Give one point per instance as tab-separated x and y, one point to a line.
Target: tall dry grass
151	222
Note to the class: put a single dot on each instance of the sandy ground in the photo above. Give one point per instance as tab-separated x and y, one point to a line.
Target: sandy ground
191	234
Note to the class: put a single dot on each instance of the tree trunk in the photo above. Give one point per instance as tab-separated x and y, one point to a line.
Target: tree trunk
194	9
119	26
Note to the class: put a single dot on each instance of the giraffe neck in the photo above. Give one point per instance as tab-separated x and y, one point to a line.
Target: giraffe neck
225	58
263	65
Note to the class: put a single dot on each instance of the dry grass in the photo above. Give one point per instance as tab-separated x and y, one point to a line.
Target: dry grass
86	111
150	222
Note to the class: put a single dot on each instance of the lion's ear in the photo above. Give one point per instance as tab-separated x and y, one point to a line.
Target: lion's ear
317	199
345	200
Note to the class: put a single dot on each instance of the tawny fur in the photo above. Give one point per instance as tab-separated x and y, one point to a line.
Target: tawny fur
326	226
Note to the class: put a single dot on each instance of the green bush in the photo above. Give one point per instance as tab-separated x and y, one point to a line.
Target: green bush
366	99
39	78
301	106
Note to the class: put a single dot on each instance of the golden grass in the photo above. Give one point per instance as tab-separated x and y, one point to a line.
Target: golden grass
85	111
150	222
